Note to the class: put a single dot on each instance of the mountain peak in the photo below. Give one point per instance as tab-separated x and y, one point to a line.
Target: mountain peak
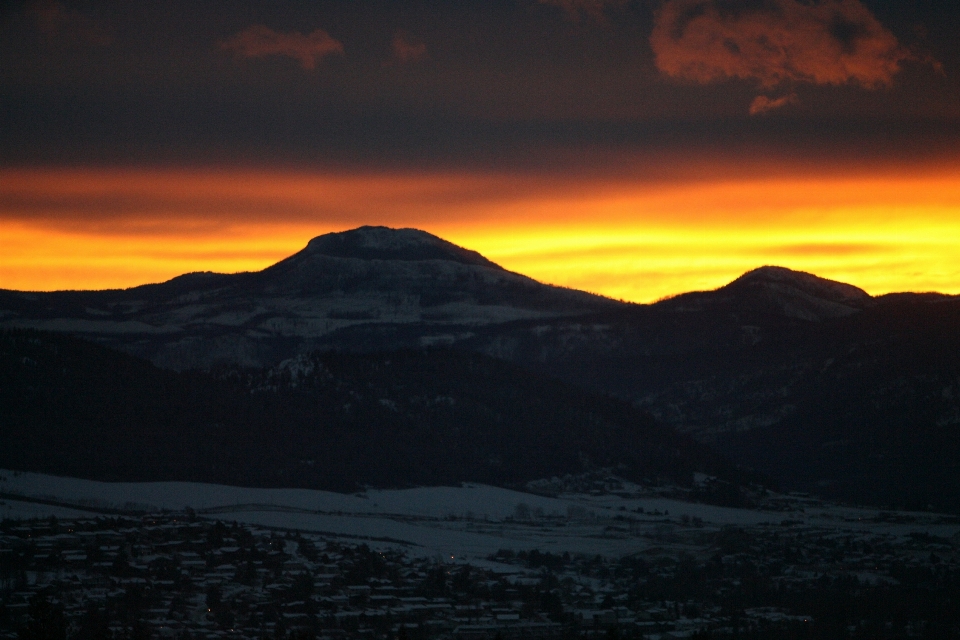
807	283
794	294
386	243
799	294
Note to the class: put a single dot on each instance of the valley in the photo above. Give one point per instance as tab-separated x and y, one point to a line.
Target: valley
471	562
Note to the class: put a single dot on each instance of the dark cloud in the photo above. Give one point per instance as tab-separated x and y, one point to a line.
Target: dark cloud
69	26
259	40
406	49
595	10
498	84
824	42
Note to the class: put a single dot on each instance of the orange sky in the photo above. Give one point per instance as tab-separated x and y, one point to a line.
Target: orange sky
626	237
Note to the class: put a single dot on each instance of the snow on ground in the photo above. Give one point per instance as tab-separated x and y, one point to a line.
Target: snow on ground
468	522
470	500
450	541
17	510
437	502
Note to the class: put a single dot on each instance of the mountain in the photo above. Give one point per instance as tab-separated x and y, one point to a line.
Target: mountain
323	421
396	278
781	291
810	381
384	243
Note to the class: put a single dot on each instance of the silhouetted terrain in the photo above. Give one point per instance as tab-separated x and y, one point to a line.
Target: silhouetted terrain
370	275
811	381
861	403
331	421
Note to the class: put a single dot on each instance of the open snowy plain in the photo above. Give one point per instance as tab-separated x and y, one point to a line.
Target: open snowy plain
468	523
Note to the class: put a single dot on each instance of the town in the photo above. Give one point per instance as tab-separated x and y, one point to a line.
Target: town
180	575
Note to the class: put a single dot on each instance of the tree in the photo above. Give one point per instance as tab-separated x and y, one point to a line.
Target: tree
46	621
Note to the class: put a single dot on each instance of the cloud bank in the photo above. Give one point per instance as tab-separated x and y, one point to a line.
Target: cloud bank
259	40
772	42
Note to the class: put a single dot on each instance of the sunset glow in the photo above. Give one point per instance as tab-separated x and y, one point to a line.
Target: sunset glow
631	238
634	149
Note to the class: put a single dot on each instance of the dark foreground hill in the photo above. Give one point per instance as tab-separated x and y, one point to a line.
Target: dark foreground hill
330	421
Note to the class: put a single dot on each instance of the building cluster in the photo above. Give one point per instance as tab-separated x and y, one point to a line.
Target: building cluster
176	576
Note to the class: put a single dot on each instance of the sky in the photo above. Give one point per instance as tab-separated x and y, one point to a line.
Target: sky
634	148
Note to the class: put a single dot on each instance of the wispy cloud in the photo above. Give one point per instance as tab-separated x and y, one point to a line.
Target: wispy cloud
406	49
763	104
595	10
773	42
259	40
69	26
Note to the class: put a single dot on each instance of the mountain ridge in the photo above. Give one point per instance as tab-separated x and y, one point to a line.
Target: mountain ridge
377	275
375	288
775	368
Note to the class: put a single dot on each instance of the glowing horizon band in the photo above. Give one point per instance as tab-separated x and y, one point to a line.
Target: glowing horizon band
632	239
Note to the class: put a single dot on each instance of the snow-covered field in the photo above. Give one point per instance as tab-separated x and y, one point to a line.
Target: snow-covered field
468	522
